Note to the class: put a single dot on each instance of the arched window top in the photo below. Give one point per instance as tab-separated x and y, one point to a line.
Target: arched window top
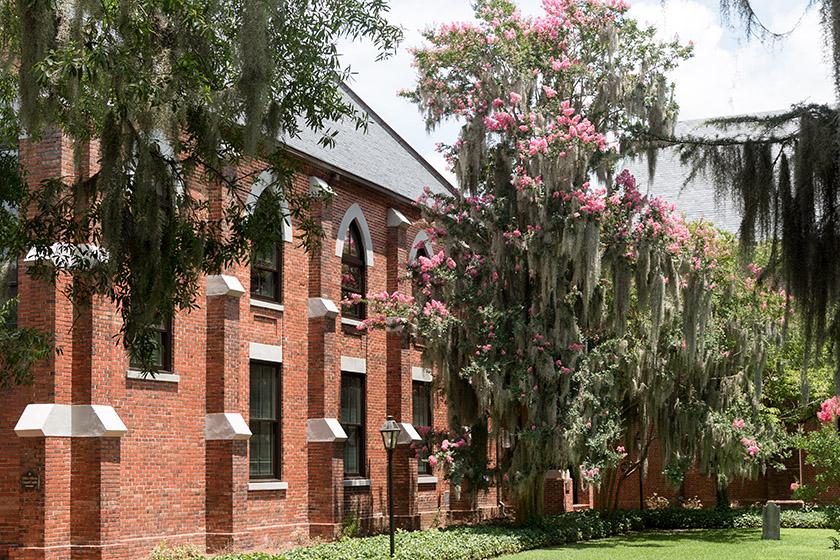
353	246
354	215
264	181
421	241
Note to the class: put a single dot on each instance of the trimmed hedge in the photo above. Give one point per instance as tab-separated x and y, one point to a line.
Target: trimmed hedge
741	518
486	541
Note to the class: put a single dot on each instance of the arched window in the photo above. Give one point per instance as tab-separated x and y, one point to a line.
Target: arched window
353	273
267	264
416	284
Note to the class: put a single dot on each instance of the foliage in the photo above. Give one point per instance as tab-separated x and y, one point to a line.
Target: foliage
20	348
171	94
164	551
486	541
782	169
822	448
520	282
579	323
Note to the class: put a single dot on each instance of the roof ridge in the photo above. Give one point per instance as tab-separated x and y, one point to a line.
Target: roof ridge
399	139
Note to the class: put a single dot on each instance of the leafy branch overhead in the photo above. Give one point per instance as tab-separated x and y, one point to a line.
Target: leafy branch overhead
173	95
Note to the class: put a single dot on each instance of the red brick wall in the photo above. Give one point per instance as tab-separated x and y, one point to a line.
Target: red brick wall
118	497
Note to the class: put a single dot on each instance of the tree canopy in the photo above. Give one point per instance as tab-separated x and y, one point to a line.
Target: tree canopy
575	324
784	171
172	93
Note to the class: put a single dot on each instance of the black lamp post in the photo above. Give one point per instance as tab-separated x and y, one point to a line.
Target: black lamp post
390	433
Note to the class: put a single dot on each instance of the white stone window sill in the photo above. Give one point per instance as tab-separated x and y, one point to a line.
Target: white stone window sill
268	485
426	479
266	304
160	376
356	482
350	322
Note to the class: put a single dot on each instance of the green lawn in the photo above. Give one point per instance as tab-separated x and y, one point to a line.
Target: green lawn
711	544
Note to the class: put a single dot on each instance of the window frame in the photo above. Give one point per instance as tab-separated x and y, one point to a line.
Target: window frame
361	426
423	467
277	452
360	312
277	272
165	328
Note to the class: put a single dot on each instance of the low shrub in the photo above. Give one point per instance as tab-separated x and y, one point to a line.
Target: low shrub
489	540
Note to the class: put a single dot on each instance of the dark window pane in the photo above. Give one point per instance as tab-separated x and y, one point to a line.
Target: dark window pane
265	428
421	405
353	422
266	273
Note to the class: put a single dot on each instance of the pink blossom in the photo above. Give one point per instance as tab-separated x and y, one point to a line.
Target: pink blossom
515	98
549	92
444	444
794	486
738	424
433	460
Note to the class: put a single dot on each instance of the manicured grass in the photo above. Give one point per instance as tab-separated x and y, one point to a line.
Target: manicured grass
708	544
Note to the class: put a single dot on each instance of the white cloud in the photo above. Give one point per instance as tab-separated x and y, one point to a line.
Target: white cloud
729	76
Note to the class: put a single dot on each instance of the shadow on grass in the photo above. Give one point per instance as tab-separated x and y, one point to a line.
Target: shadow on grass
664	539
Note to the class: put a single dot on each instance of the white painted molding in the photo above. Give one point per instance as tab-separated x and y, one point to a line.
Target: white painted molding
268	485
421	374
266	304
407	434
224	285
160	376
65	420
355	213
265	179
353	365
421	479
225	426
322	307
69	256
420	240
265	352
396	219
356	482
320	188
324	430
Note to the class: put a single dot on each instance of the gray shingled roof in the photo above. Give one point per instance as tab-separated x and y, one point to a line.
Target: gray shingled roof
696	199
379	157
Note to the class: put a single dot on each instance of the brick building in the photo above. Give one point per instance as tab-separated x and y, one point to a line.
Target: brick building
263	424
98	461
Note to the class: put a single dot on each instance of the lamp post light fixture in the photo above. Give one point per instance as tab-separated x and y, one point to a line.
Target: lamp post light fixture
390	433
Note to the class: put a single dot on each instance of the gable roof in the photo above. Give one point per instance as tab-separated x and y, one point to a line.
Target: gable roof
379	158
696	199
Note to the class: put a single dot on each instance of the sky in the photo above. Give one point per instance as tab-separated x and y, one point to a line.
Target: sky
728	74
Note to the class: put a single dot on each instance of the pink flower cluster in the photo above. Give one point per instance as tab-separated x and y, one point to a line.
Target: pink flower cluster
751	445
738	424
829	409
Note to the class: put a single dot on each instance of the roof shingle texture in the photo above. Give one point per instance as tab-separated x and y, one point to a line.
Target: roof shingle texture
379	156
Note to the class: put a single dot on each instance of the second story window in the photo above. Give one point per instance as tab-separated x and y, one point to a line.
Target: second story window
266	273
353	273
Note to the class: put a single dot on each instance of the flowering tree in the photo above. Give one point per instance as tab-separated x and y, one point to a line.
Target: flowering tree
572	323
823	452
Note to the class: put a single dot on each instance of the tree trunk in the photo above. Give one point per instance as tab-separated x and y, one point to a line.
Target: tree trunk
721	495
528	499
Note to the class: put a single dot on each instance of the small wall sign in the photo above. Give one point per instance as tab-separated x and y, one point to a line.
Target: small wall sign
30	480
